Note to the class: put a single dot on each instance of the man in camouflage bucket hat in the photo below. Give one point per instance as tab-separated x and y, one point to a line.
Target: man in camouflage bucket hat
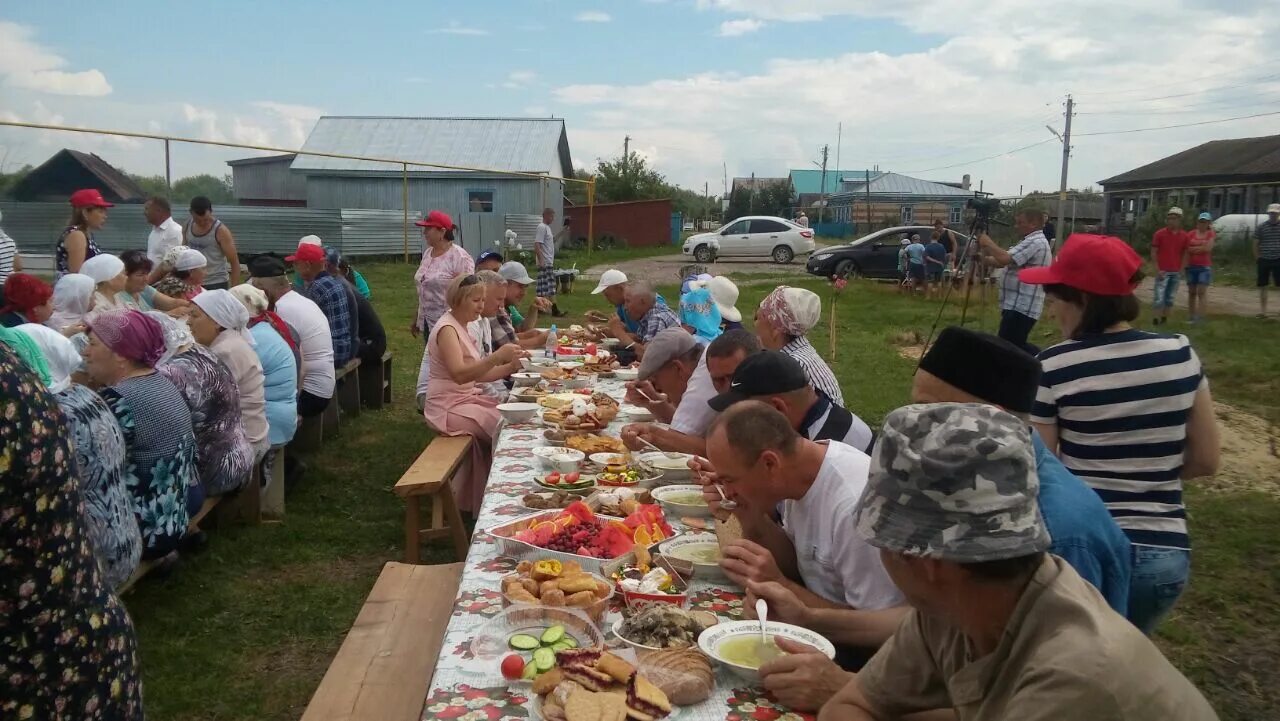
999	629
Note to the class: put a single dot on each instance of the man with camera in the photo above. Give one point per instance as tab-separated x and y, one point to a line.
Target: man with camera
1020	304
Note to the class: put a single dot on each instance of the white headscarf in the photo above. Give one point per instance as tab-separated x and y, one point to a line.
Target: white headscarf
254	299
59	353
226	311
189	259
72	296
177	334
102	267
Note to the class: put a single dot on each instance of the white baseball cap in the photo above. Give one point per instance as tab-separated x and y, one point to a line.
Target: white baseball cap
310	240
1273	208
1175	210
513	272
610	277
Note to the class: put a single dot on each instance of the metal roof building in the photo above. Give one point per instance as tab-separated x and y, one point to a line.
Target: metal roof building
894	186
70	170
480	191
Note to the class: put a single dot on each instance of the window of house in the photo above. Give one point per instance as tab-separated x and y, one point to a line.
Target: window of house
954	217
906	213
480	201
1143	204
1234	202
1130	205
1215	201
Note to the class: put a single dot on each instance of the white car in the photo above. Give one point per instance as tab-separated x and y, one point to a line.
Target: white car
753	235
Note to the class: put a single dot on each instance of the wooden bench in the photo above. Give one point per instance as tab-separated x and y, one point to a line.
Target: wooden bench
347	392
384	668
273	493
375	383
339	403
428	477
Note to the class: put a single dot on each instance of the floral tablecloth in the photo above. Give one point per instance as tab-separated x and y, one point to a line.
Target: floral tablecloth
472	689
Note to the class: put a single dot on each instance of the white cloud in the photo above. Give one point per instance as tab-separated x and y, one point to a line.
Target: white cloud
993	78
296	120
456	28
24	63
593	16
519	79
734	28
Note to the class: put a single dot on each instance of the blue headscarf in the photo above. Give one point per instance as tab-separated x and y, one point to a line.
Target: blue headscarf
699	311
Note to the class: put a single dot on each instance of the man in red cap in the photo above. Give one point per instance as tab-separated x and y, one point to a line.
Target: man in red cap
327	292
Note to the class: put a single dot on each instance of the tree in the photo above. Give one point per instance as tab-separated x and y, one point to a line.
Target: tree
629	177
8	180
739	204
217	190
151	184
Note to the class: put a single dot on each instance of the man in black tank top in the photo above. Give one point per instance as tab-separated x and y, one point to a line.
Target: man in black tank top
779	380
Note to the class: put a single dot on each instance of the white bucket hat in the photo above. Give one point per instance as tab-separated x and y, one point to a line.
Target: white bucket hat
725	295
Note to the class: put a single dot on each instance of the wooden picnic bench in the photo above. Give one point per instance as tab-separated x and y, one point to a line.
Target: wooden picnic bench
428	477
375	383
314	430
384	668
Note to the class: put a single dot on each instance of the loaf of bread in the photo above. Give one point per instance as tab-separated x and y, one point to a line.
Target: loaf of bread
684	675
728	531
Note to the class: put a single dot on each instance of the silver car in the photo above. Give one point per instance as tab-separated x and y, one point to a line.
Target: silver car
752	235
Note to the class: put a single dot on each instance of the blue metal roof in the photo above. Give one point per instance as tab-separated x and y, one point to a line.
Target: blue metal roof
810	181
902	185
531	145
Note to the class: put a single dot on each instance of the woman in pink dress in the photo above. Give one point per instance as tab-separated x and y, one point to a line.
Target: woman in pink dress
455	405
442	261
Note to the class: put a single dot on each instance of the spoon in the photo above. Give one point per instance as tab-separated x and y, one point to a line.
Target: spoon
668	454
768	651
727	504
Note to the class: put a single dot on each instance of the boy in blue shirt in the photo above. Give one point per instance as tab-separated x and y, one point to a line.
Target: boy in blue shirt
915	264
935	259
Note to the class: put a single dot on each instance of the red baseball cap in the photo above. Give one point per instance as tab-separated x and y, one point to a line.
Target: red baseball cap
436	219
1098	264
307	253
89	198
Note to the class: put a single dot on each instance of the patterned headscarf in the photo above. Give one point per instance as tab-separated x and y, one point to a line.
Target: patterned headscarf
793	311
177	334
131	334
255	301
226	311
72	296
26	349
59	353
699	312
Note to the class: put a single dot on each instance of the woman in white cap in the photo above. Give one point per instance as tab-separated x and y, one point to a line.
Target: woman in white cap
782	320
99	446
107	272
188	273
220	323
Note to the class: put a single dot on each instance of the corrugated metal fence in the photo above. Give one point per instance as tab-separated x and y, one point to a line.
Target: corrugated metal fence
36	227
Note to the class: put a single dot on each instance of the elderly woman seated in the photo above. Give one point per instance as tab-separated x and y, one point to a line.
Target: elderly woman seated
187	272
782	320
279	365
137	294
455	404
99	449
223	453
160	444
72	301
107	272
220	323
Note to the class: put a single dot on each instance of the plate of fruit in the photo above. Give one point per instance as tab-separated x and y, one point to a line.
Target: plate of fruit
574	481
577	533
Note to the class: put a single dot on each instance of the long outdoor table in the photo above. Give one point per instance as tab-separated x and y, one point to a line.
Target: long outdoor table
468	688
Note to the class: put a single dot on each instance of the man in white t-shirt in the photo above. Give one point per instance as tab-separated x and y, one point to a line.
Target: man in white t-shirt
165	231
314	336
761	461
544	250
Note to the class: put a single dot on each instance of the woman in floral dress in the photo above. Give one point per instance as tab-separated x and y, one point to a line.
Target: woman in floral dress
67	645
98	445
160	445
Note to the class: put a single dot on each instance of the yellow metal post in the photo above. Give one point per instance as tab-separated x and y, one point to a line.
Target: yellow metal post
404	182
591	215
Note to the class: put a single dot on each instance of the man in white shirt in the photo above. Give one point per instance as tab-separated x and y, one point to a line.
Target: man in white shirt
803	220
315	338
165	232
544	250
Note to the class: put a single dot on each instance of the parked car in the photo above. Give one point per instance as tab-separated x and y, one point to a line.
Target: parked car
753	235
874	255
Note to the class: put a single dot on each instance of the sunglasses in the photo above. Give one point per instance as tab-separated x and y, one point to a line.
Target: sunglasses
469	280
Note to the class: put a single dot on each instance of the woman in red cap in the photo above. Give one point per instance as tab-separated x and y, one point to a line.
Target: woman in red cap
442	261
27	299
76	245
1128	411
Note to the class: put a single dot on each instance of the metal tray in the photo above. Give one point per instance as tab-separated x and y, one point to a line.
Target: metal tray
519	550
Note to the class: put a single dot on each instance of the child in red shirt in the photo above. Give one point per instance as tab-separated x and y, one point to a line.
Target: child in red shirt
1169	253
1199	263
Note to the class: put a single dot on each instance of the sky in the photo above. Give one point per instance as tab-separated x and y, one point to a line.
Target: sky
704	88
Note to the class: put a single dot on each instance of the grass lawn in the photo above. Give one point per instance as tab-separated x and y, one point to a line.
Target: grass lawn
246	628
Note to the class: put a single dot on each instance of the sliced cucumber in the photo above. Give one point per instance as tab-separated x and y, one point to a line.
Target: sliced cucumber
530	671
561	645
568	641
544	659
551	635
523	642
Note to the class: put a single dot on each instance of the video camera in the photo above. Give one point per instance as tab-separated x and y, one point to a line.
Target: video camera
983	210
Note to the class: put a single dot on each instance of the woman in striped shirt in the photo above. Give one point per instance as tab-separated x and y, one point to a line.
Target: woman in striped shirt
1128	411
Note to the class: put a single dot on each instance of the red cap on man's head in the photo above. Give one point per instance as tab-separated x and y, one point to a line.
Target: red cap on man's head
436	219
307	253
1098	264
89	198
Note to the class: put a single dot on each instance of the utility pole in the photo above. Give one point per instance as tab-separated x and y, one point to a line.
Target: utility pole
1066	159
868	187
823	210
626	157
839	138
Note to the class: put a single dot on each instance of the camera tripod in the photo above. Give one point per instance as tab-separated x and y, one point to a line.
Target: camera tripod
980	224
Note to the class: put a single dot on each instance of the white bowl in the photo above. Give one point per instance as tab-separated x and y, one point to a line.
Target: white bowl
526	379
703	570
536	364
570	364
567	460
711	640
582	381
636	414
672	469
626	374
518	412
544	454
663	497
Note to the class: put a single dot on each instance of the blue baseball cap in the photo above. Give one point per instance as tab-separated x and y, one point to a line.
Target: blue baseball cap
490	255
1204	216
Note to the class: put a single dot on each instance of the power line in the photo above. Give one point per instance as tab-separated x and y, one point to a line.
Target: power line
1222	104
1180	125
1146	88
1249	84
989	157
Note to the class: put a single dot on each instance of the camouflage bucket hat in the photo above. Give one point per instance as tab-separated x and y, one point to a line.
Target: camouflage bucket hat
953	481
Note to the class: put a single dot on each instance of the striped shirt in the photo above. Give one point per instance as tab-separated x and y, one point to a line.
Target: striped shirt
1031	252
1268	236
8	249
817	370
1120	402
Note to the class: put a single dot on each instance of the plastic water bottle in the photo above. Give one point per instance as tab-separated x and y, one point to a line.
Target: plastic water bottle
551	342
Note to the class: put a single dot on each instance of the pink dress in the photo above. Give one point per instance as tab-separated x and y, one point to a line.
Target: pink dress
456	409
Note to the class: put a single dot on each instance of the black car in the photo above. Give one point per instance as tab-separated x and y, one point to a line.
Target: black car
872	256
